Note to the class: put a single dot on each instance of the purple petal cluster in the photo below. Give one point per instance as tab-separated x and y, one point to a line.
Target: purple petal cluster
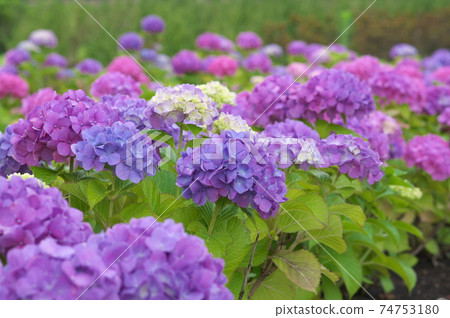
153	24
214	42
290	128
444	118
438	99
149	55
442	75
115	83
333	93
273	49
44	38
30	212
352	155
17	56
296	48
231	166
430	153
249	40
9	165
50	130
363	67
186	61
130	109
56	60
37	99
258	61
403	50
89	66
130	41
437	60
222	66
13	85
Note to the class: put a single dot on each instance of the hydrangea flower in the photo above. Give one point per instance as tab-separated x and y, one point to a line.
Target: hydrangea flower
442	75
30	212
29	46
218	93
352	155
437	60
130	41
130	109
333	93
297	48
115	83
430	153
273	49
89	66
258	62
407	192
49	270
153	24
444	118
437	99
214	42
37	99
44	38
8	165
162	261
249	40
186	61
17	56
222	66
55	59
182	103
229	122
50	130
13	85
237	171
128	66
297	69
317	53
292	129
10	69
363	67
122	147
148	55
403	50
411	68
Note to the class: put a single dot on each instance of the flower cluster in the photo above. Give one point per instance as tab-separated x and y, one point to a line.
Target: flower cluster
297	48
231	166
444	118
437	60
17	56
130	109
333	93
44	38
30	212
403	50
9	165
442	75
37	99
292	129
229	122
363	67
430	153
50	130
153	24
122	147
249	40
186	61
89	66
56	60
218	93
222	66
115	83
258	62
297	69
273	49
407	192
352	155
128	66
214	42
437	99
13	85
182	103
130	41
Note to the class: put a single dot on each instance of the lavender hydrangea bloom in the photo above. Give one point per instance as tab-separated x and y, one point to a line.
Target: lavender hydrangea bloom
249	40
182	103
437	60
258	62
55	59
430	153
403	50
290	128
149	55
444	118
214	42
122	147
17	56
115	83
352	155
333	93
153	24
363	67
8	165
44	38
50	271
130	109
50	130
37	99
241	173
30	212
273	49
164	263
438	99
297	48
89	66
186	61
130	41
9	69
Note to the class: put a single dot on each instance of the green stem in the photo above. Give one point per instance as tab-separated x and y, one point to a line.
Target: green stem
72	164
180	141
113	198
214	217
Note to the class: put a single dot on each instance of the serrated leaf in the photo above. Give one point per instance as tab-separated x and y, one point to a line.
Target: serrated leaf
239	247
325	129
409	228
275	287
48	176
161	137
165	180
316	204
331	276
190	127
331	235
301	267
135	210
95	192
74	189
353	212
151	193
296	216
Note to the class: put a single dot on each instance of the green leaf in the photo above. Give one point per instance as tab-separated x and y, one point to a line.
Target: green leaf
317	206
238	249
275	287
330	290
135	210
353	212
75	190
151	193
296	216
165	180
161	136
409	228
388	228
331	235
325	129
235	284
45	174
386	283
95	192
331	276
190	127
301	267
404	271
432	247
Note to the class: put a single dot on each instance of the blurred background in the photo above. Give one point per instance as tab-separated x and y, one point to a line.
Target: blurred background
422	23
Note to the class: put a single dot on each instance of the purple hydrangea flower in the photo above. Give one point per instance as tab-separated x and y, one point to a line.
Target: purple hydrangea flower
50	130
430	153
441	75
89	66
249	40
437	60
438	99
8	165
153	24
352	155
30	212
363	67
149	55
130	109
237	171
297	48
186	61
17	56
44	38
444	118
403	50
115	83
55	59
214	42
9	69
273	49
333	93
130	41
290	128
37	99
122	147
258	62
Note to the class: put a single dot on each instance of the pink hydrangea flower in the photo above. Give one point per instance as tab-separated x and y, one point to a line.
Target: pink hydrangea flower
39	98
13	85
126	65
223	66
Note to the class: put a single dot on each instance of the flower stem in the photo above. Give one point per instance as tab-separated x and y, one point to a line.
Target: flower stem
180	141
72	164
249	267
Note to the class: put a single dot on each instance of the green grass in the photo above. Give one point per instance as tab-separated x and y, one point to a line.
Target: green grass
80	36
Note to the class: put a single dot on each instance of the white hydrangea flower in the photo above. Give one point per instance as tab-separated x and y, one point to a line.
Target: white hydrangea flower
406	192
219	93
26	176
230	122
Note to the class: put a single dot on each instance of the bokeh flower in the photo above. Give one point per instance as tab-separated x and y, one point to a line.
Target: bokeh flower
249	40
37	99
44	38
153	24
115	83
258	62
403	50
186	61
13	86
130	41
222	66
89	66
